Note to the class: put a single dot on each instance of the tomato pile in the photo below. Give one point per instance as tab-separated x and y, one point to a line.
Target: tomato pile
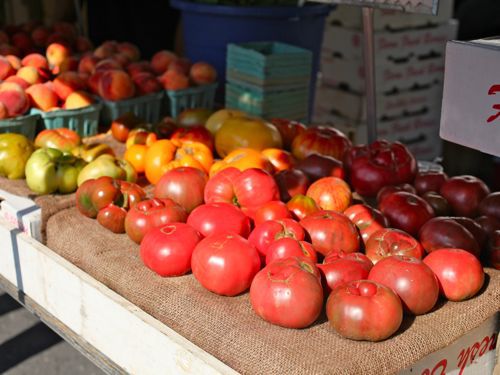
317	224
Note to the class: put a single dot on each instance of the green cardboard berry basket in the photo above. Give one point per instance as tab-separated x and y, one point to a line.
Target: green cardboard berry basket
177	101
146	107
84	121
25	125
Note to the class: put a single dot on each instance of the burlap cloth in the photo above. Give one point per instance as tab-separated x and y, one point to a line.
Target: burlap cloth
228	328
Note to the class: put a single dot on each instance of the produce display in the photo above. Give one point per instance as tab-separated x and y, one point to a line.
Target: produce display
244	207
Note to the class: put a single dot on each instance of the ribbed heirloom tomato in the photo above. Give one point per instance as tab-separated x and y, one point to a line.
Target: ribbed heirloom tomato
242	159
330	193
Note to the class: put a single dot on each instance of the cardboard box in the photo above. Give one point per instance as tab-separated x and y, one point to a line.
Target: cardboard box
21	212
350	16
392	46
389	106
471	95
337	72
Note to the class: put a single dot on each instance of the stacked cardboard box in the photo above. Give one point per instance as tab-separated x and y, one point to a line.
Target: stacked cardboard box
409	71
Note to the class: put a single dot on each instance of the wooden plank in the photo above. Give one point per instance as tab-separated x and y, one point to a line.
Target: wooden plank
103	320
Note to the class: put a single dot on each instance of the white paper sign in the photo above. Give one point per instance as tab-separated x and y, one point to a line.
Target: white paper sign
471	98
411	6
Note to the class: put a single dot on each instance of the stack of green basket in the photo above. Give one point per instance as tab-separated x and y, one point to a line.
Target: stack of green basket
269	79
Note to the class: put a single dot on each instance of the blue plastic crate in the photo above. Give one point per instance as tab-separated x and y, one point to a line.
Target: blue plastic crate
269	64
84	121
25	125
177	101
146	107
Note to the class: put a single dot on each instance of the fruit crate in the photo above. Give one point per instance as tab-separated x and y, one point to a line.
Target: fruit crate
146	107
279	103
84	121
25	125
177	101
269	64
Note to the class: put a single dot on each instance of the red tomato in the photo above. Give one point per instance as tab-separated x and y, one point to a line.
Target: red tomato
150	214
302	206
459	273
322	140
367	219
493	250
334	255
281	160
225	263
61	138
288	129
167	250
272	210
464	194
184	185
406	211
440	205
445	232
194	133
338	272
389	189
318	166
288	293
389	241
411	279
112	218
490	205
364	310
429	181
268	232
330	193
290	183
216	218
379	164
330	230
287	248
248	190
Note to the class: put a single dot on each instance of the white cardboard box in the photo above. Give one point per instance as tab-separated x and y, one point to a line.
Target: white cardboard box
353	106
21	212
408	44
471	95
350	16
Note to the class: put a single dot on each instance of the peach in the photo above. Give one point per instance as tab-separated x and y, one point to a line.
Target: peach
146	83
7	49
29	74
22	41
6	69
181	65
30	25
121	59
21	82
202	73
59	38
87	64
40	35
78	99
83	44
174	80
106	50
130	50
70	64
93	81
139	67
3	111
14	61
56	53
116	85
4	38
67	83
108	64
161	60
35	60
65	28
42	96
14	98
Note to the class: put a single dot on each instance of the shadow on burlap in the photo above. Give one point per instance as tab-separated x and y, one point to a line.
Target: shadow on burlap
227	328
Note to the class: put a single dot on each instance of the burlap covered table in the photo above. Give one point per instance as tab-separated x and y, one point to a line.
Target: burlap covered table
227	327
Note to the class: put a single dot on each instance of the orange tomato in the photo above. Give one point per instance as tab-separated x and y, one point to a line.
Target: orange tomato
140	137
164	155
136	155
242	158
280	159
157	157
